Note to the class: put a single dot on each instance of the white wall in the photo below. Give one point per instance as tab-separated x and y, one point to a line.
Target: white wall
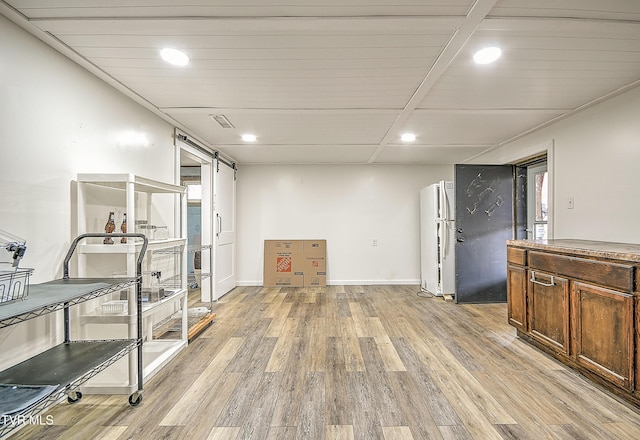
57	120
348	205
596	160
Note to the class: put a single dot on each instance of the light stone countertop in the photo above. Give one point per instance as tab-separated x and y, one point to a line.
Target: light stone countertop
589	248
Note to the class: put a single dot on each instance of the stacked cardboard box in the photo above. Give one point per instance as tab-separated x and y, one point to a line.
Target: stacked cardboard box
295	263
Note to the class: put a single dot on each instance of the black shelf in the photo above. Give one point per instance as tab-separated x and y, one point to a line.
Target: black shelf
33	385
67	363
55	295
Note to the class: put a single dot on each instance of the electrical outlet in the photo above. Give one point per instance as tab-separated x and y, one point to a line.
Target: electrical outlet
570	202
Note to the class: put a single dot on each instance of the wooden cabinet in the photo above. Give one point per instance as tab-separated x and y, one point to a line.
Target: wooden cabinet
579	301
517	293
603	332
636	340
548	305
517	288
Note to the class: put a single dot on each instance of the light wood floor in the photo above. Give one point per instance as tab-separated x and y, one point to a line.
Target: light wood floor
353	362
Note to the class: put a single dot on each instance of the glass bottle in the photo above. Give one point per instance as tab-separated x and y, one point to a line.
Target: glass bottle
123	227
109	228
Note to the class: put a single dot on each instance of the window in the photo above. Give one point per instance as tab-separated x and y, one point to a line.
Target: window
538	201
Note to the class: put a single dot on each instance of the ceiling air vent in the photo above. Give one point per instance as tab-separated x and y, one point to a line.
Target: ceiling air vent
223	121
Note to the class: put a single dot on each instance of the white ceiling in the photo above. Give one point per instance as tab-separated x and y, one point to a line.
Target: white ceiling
338	81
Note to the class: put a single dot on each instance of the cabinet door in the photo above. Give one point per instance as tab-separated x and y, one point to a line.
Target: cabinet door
549	310
517	297
636	342
603	336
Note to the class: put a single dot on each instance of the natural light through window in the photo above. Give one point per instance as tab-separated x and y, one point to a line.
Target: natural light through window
542	205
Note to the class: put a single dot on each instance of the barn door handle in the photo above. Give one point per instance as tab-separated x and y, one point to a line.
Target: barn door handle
551	282
219	217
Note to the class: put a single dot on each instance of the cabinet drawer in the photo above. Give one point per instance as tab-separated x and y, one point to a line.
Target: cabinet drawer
614	275
516	256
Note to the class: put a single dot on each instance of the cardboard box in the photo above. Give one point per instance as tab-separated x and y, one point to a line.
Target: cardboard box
295	263
279	267
314	255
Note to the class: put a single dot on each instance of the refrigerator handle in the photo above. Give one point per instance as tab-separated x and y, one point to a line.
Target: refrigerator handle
445	239
444	203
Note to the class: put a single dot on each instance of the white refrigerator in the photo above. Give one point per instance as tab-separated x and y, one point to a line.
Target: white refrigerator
437	239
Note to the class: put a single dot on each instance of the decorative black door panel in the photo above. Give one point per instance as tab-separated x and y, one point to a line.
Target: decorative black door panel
484	222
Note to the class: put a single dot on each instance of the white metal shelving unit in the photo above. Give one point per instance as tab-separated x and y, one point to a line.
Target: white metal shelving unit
137	197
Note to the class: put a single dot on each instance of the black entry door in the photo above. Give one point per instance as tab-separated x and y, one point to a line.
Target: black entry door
484	222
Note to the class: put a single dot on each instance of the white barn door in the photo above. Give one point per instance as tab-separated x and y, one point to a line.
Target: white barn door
224	208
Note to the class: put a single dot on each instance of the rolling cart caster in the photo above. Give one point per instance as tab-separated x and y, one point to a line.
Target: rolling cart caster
135	398
74	396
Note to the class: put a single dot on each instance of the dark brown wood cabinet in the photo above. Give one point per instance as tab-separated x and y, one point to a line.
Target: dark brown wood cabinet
517	293
548	304
579	301
603	332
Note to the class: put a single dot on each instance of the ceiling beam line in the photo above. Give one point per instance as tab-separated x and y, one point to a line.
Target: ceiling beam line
292	18
363	111
476	15
568	25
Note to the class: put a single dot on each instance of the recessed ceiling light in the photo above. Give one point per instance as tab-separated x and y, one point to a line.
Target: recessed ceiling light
249	137
408	137
174	56
487	55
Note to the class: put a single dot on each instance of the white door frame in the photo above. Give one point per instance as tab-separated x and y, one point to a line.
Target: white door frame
206	180
521	155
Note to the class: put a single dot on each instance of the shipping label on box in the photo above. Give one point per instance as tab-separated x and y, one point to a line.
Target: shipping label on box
294	263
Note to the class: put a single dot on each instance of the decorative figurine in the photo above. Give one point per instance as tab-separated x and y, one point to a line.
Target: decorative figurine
109	228
123	227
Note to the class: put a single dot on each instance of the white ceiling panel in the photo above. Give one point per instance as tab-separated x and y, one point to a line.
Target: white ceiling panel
291	127
594	9
286	25
339	96
545	65
471	127
428	155
275	63
338	81
244	8
293	154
